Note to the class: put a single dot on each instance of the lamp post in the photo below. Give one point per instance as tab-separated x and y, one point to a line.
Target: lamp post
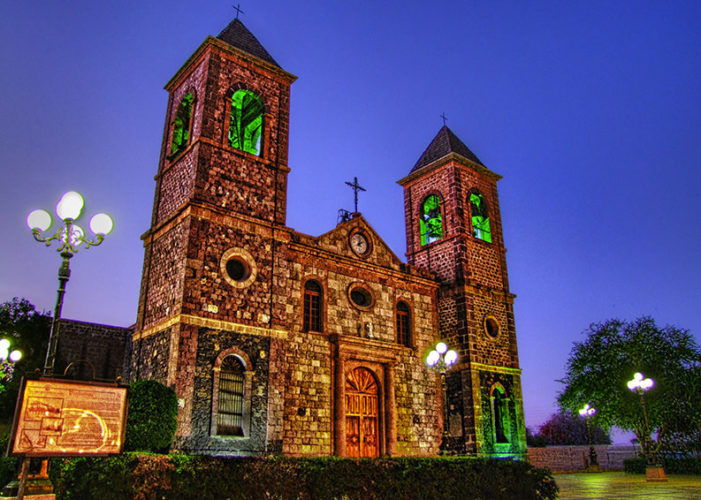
7	360
69	237
654	471
587	412
441	359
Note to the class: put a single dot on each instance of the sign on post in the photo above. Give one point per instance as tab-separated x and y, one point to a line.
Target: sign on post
66	418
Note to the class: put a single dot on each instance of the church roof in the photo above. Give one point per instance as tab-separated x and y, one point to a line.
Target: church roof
237	35
443	144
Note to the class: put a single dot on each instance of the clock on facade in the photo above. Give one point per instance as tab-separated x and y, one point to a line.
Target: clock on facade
360	244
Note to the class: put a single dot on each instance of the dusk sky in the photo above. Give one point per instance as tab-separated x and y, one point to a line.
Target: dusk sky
591	111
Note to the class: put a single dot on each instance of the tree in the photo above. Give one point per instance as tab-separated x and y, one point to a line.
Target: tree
152	417
599	368
568	429
28	330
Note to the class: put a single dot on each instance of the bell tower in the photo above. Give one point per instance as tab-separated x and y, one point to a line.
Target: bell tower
221	195
453	228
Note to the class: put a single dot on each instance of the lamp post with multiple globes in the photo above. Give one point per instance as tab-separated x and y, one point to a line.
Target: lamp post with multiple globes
441	359
587	412
7	360
654	470
69	237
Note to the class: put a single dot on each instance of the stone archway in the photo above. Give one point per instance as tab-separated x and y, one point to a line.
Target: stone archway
362	414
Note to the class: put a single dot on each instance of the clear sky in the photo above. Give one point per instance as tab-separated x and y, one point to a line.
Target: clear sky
590	110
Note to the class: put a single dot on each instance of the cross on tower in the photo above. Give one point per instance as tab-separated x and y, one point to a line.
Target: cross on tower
445	118
238	10
356	187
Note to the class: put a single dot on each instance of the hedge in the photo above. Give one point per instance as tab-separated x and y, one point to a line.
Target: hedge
152	416
672	465
183	477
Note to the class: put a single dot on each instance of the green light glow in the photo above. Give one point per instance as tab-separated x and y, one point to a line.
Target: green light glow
480	218
246	122
431	221
181	125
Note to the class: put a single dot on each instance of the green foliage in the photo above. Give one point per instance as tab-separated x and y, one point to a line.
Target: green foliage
152	416
8	465
180	477
672	465
28	330
599	368
567	429
535	440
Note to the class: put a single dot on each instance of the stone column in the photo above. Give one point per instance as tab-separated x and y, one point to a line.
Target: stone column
339	420
390	412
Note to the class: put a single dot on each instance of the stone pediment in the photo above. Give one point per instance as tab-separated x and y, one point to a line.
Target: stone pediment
357	240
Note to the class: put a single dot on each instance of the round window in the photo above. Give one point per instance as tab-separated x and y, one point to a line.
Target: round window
237	269
361	297
491	326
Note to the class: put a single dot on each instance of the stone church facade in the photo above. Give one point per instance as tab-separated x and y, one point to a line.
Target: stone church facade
280	342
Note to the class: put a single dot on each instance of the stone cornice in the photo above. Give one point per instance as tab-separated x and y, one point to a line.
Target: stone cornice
214	324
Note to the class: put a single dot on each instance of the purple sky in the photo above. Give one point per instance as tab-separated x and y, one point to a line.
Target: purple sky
590	112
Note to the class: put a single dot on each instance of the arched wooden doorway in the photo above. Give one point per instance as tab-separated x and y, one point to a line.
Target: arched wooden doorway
362	415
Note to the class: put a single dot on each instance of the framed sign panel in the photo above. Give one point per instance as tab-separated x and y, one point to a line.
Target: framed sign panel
68	418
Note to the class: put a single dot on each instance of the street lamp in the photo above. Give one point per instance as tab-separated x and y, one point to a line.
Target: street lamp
587	412
640	385
69	237
7	360
441	359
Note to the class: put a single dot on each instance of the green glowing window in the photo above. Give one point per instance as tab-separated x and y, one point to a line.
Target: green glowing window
480	218
500	413
431	221
246	122
181	125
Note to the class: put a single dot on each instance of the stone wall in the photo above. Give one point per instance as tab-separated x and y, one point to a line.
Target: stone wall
103	347
566	458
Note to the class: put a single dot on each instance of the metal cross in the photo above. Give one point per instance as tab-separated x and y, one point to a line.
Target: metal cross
445	118
238	10
356	187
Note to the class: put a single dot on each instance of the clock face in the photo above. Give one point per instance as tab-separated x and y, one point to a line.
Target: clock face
359	243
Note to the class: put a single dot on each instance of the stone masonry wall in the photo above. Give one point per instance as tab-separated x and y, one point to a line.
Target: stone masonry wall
104	347
568	458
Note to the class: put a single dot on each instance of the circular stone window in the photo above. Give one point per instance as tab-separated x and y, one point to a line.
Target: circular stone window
238	267
360	297
491	326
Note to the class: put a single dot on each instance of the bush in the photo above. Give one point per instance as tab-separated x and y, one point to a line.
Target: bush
672	465
182	477
152	416
8	465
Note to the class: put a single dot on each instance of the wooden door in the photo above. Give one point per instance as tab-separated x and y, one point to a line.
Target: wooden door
362	438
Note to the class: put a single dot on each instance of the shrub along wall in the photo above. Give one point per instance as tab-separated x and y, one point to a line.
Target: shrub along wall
184	477
672	465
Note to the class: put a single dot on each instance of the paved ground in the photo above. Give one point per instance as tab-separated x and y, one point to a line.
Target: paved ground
621	485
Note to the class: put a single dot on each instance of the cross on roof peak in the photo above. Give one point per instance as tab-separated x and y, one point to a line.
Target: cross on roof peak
356	187
445	118
238	10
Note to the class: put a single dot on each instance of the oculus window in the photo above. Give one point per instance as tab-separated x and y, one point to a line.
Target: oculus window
431	221
480	218
246	122
181	125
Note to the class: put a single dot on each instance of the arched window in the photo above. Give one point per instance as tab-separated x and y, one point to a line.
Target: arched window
230	410
403	324
246	123
500	414
313	295
480	218
181	125
431	220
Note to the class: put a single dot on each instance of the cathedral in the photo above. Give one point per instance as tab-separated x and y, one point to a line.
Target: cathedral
278	342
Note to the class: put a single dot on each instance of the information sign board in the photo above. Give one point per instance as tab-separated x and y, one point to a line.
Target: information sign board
67	418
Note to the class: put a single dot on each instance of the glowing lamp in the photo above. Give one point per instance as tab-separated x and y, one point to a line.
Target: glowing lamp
39	219
4	344
101	224
450	357
587	411
441	347
70	206
640	384
15	356
432	358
